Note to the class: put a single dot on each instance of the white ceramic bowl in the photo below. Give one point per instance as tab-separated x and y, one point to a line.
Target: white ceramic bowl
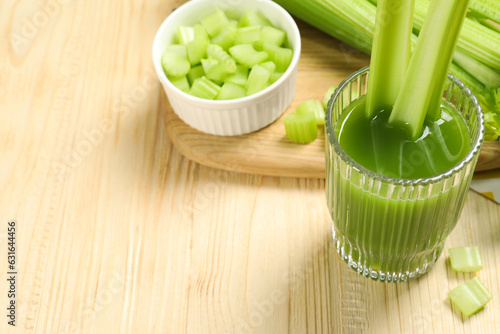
238	116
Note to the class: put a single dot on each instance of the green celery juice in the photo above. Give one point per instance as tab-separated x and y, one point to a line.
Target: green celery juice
387	150
394	235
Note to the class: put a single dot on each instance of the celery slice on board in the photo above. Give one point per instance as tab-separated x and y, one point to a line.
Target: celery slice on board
465	259
231	91
470	297
215	22
313	107
301	128
328	96
204	88
257	79
246	55
391	54
422	89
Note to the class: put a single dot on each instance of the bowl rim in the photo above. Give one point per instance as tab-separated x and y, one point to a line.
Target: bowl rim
296	45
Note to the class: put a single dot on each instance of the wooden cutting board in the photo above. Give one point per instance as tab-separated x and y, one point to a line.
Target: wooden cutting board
324	62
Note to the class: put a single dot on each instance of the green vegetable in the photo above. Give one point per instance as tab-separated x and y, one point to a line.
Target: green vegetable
257	79
328	95
253	18
301	128
204	88
246	55
181	83
247	35
174	64
313	107
390	54
215	22
282	57
465	259
422	90
231	91
470	297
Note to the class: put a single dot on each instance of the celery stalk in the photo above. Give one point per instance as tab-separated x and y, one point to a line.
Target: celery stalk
485	74
487	8
422	90
390	53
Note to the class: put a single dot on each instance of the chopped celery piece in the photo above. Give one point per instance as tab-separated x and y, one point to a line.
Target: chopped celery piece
246	35
180	82
465	259
197	48
226	37
239	77
252	18
485	74
257	79
207	64
282	57
313	107
184	35
422	89
470	297
215	22
274	77
194	73
217	52
272	35
178	49
174	64
328	95
391	54
204	88
231	91
218	70
269	65
246	55
301	128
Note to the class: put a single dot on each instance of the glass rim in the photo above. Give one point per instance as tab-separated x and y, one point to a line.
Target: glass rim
332	140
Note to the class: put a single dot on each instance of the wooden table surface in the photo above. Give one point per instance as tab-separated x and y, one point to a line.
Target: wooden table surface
116	232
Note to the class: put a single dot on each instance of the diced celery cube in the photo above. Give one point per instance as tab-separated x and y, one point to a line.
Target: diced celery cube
226	37
194	73
313	107
257	79
252	18
217	52
197	48
215	22
174	64
179	49
204	88
282	57
246	35
301	128
274	77
328	95
273	35
269	65
231	91
207	64
184	35
180	82
246	55
239	77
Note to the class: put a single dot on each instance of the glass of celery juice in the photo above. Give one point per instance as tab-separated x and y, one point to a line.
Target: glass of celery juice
390	220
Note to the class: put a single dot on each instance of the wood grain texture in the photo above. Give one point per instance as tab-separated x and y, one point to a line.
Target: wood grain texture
118	232
324	62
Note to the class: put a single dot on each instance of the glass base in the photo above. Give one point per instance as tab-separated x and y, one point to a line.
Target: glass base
360	263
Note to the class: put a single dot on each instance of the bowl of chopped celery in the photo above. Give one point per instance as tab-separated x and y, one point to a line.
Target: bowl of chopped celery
228	67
